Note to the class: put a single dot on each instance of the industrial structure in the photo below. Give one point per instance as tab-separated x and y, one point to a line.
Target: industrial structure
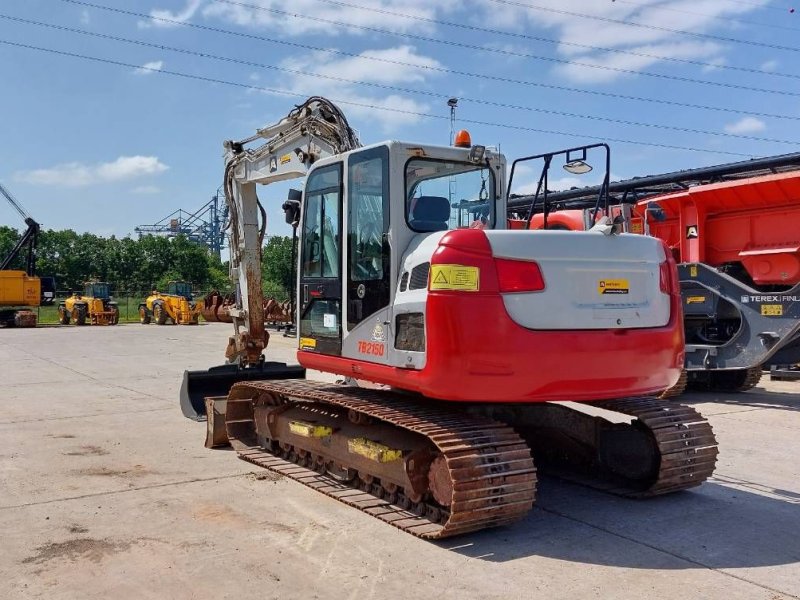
205	226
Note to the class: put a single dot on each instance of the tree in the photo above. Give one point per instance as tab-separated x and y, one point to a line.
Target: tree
276	265
8	237
127	264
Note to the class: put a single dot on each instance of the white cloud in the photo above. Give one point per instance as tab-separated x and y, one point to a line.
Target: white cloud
149	67
391	112
373	66
263	17
180	16
146	189
699	16
714	64
745	125
599	68
75	174
769	65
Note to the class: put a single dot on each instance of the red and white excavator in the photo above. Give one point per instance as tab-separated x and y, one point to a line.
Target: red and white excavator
460	340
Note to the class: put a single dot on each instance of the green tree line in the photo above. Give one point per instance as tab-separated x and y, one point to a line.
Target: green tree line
139	264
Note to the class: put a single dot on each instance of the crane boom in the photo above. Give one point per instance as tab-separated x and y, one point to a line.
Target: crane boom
13	201
312	130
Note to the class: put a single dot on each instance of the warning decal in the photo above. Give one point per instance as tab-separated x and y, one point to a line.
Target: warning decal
455	277
307	343
692	232
613	286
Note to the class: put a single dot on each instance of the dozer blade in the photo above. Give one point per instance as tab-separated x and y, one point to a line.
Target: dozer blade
217	381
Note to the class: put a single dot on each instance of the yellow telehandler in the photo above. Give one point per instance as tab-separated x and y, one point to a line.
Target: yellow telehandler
95	303
177	305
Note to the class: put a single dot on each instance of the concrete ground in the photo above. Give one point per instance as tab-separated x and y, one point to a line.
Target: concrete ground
106	491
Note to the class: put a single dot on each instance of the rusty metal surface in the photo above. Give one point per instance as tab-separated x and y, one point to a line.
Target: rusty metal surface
105	317
686	445
277	312
25	318
216	434
216	306
489	472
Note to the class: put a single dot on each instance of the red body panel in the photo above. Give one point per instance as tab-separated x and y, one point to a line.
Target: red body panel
754	221
475	352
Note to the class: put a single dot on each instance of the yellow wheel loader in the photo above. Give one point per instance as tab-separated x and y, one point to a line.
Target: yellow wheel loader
177	305
94	305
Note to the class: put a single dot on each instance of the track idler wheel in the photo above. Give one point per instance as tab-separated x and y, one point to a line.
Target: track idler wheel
440	481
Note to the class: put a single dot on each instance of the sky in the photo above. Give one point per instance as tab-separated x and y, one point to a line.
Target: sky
113	112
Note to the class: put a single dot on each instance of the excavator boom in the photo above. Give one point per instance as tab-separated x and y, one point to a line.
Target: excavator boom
313	130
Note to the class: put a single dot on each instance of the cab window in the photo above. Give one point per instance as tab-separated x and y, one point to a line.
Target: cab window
321	223
442	195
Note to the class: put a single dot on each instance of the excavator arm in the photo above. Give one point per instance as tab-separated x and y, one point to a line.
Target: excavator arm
312	130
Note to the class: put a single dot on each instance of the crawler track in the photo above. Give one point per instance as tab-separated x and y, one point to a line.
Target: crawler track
684	440
490	466
738	380
678	388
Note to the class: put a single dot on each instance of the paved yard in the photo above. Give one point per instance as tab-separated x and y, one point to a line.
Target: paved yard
106	491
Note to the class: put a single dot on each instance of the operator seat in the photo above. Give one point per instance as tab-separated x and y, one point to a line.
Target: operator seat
430	213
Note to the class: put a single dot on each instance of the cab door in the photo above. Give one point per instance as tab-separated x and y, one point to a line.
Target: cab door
320	292
369	254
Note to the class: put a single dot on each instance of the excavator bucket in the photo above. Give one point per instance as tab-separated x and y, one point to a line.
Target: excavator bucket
211	304
216	381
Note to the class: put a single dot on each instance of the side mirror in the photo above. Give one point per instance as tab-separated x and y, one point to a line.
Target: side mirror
291	208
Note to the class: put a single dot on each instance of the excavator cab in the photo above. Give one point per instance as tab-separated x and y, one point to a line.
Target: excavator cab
361	211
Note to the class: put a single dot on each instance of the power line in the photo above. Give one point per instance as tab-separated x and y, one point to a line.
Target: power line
661	7
362	104
489	77
396	88
526	36
707	36
755	4
434	40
